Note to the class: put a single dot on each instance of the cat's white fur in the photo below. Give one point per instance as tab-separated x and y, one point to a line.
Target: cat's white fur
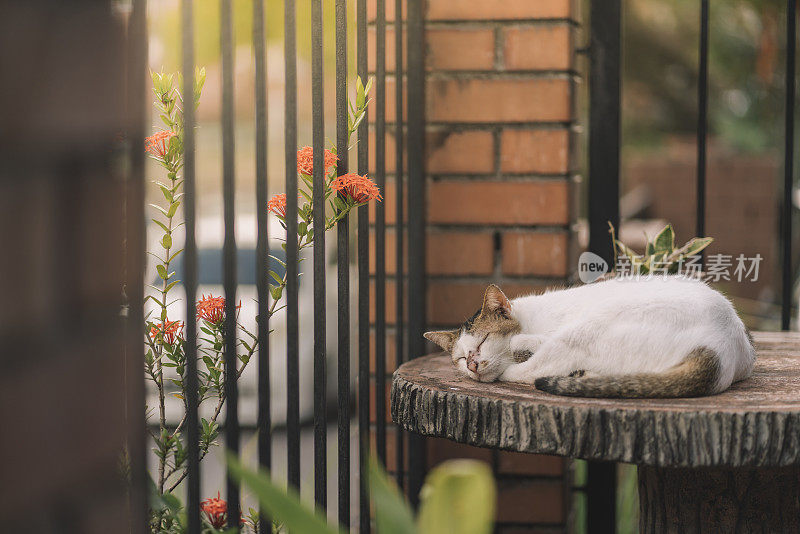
620	326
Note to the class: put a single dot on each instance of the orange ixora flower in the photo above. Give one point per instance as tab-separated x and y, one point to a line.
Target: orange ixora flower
158	143
305	161
216	510
212	309
277	205
358	188
170	331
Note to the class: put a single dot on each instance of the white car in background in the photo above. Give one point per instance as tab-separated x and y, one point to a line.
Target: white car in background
209	232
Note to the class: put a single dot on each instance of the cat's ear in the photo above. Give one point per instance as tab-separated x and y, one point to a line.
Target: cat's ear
495	301
444	338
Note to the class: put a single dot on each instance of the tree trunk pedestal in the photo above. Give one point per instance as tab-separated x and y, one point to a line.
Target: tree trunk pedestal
719	499
725	463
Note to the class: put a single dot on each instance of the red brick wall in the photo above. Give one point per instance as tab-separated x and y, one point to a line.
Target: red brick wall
500	149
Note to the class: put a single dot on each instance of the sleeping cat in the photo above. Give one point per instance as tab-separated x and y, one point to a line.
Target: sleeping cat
625	337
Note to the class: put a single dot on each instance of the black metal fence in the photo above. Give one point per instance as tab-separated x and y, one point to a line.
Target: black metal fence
409	197
604	172
603	206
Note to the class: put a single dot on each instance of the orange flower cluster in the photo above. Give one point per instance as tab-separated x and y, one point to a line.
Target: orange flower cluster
358	188
277	205
305	161
158	143
216	510
171	331
212	309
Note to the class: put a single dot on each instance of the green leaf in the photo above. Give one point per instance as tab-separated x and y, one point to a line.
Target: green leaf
162	271
360	94
167	193
368	88
458	496
392	513
692	247
282	504
276	292
167	501
627	251
275	277
301	228
159	208
166	241
162	225
278	260
173	208
650	248
665	240
358	120
174	254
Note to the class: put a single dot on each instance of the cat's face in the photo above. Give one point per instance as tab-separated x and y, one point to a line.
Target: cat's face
480	348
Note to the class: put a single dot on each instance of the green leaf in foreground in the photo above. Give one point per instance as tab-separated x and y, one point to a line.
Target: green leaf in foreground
392	513
280	503
458	496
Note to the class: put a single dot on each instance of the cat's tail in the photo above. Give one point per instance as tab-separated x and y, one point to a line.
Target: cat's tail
693	377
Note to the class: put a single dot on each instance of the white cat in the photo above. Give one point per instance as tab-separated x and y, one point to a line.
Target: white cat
625	337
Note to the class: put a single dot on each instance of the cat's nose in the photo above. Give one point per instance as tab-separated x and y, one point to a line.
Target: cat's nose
472	365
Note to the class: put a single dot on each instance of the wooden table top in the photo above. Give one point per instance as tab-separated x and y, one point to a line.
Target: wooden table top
754	423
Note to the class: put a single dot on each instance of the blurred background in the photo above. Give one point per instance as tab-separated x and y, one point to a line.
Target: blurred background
746	132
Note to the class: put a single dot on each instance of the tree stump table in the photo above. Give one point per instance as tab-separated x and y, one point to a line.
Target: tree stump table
724	463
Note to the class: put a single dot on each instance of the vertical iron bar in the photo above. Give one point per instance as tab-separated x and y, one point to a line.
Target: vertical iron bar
229	258
136	231
264	422
343	273
319	172
363	283
190	275
292	339
416	220
788	166
604	126
603	193
380	233
702	122
398	185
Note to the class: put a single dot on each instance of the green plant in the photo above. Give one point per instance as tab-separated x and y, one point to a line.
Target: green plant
458	496
660	255
165	356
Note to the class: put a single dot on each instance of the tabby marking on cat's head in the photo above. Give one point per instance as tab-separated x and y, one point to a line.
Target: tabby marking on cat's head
477	346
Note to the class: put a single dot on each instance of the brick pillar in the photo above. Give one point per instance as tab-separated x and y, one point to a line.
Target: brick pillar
500	152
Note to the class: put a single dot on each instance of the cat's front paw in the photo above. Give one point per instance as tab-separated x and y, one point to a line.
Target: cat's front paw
513	373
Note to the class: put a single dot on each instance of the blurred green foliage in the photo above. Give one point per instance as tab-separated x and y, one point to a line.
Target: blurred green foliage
746	71
458	496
